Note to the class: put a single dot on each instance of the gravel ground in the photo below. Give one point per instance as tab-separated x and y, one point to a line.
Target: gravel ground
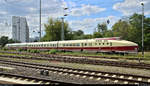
53	76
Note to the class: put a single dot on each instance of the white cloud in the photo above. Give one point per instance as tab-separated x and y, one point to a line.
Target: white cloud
86	10
31	9
3	12
88	24
5	30
128	7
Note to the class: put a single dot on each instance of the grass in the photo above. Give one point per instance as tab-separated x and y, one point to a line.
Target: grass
147	54
11	54
139	55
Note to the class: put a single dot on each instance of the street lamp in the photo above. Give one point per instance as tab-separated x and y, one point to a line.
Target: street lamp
142	29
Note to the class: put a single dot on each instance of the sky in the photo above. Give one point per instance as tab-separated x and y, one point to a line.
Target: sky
82	14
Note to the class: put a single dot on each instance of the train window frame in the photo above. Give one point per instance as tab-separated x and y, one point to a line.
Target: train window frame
103	43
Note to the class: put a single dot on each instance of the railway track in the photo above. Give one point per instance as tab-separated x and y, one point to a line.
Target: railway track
97	75
29	79
84	61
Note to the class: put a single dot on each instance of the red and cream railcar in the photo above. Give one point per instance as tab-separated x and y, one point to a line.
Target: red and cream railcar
114	45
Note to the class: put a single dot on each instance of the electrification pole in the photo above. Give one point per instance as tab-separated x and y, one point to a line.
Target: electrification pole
62	29
142	29
40	22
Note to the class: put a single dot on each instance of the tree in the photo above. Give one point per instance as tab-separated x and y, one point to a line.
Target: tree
53	30
4	40
102	28
97	35
77	35
109	33
87	36
121	29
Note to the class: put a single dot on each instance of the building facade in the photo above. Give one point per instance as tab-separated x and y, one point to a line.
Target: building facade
20	29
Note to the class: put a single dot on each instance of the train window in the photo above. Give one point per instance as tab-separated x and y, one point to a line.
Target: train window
107	43
99	43
77	44
95	43
82	44
103	43
85	44
90	44
73	44
110	43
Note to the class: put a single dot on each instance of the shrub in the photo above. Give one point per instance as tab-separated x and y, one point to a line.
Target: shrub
28	50
5	49
52	51
33	51
20	49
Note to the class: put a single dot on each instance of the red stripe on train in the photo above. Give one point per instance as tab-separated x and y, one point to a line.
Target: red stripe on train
118	48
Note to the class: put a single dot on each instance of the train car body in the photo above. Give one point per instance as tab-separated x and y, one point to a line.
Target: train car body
114	45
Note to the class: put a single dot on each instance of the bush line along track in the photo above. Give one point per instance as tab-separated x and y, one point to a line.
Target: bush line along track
84	61
31	78
98	75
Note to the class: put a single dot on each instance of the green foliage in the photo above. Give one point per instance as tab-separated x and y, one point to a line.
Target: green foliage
108	33
53	30
87	36
4	48
33	51
20	49
121	29
97	35
4	40
102	28
52	51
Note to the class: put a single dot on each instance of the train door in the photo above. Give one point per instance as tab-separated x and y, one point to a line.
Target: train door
82	46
